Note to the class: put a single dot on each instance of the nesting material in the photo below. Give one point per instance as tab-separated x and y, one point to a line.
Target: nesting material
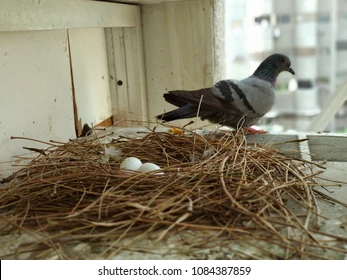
218	184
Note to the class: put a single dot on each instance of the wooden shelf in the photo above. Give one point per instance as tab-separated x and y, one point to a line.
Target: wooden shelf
141	2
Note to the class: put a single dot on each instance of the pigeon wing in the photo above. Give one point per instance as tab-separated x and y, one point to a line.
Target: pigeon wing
203	97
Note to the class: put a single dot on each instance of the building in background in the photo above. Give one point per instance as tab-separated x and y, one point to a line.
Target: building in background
313	33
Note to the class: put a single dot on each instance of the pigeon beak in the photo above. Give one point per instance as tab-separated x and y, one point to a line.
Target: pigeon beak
290	70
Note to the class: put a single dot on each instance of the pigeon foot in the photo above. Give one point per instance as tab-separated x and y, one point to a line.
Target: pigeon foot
250	130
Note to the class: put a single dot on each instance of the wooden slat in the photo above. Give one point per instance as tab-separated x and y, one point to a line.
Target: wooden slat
143	1
320	147
331	148
291	148
135	75
118	81
105	123
178	44
127	77
110	49
90	75
35	96
141	70
20	15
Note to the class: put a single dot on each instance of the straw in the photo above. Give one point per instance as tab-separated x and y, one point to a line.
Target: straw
75	192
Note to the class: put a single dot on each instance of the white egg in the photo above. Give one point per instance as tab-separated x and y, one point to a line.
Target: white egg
131	163
146	167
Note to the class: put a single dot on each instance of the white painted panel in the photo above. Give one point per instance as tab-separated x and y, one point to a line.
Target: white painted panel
35	90
178	44
128	92
135	75
90	74
21	15
118	74
143	1
127	74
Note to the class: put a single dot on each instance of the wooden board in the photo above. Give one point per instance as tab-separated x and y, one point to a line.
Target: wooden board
35	95
127	74
22	15
278	142
90	75
331	148
55	79
178	48
143	2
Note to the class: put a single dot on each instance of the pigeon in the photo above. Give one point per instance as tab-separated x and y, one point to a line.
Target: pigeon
86	130
236	104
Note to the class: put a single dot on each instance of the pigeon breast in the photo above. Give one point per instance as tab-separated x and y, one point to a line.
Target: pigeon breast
252	96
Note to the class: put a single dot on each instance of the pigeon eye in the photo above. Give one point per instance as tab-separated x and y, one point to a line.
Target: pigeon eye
283	60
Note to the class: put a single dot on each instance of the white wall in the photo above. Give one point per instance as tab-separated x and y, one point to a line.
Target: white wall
90	74
37	85
35	90
36	98
178	45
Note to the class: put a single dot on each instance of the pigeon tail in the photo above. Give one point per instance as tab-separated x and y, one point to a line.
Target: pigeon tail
184	112
188	103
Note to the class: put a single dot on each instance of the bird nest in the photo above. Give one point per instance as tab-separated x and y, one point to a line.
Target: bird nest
218	187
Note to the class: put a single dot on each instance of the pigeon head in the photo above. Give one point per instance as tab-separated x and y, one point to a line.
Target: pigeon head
272	66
